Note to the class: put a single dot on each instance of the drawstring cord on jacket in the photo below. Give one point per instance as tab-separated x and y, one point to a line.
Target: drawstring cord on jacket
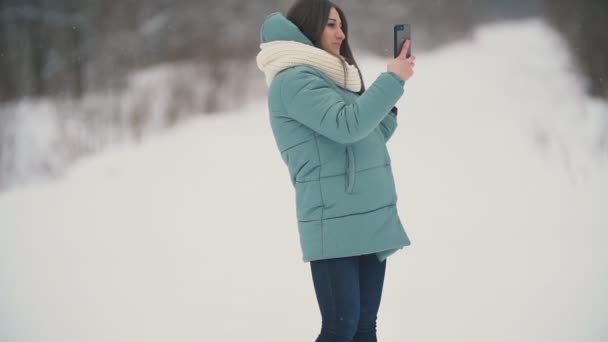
350	169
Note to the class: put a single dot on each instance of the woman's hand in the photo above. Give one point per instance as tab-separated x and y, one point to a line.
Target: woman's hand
402	66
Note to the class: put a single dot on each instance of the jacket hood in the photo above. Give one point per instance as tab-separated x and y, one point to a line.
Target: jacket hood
277	27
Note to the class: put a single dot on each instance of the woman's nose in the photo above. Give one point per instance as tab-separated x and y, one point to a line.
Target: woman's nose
341	34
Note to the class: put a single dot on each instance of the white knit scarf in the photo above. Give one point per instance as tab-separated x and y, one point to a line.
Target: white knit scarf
279	55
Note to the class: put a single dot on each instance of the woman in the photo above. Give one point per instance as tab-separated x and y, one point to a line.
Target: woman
332	133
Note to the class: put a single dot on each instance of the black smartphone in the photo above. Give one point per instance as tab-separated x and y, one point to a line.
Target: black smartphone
401	33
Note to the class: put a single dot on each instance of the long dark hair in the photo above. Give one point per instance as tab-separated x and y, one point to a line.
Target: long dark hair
310	16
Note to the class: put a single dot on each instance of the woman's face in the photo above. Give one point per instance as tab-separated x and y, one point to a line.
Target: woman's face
332	36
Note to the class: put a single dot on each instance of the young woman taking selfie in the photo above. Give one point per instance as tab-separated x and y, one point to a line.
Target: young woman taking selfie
331	133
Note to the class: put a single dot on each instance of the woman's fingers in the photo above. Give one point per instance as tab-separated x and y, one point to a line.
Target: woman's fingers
411	60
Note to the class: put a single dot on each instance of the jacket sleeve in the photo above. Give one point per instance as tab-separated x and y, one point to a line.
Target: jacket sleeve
388	125
310	100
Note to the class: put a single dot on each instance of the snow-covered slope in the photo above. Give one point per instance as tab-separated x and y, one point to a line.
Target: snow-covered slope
191	235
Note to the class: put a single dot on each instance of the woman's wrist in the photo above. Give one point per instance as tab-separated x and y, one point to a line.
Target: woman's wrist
397	77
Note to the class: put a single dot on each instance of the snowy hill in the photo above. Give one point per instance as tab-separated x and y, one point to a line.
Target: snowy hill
191	235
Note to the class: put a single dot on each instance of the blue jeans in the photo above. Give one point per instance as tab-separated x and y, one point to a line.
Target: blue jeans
348	292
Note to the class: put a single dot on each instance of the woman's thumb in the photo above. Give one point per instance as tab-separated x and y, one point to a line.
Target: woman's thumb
404	49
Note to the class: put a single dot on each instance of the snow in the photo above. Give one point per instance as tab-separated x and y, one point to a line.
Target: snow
191	235
40	138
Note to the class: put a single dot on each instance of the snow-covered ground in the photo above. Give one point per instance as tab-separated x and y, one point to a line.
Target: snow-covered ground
191	235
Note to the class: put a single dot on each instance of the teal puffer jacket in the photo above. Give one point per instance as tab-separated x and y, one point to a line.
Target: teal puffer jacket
333	142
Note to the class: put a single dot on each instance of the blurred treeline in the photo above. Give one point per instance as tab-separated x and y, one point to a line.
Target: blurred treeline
584	24
66	48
